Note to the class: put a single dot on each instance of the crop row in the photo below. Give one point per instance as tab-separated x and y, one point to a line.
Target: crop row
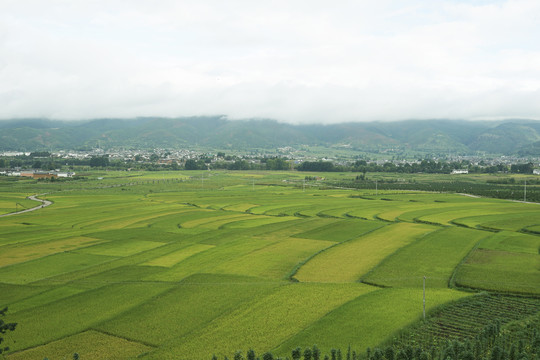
466	317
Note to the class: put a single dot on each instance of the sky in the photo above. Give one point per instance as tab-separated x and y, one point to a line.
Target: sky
296	61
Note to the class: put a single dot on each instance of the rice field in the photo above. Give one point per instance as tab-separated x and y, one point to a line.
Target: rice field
166	266
348	261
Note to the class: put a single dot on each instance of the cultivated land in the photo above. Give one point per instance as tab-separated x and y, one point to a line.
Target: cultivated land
183	265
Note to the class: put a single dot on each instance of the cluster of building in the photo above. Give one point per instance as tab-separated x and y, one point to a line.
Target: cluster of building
38	174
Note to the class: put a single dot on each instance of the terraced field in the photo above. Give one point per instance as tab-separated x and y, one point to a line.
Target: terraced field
161	266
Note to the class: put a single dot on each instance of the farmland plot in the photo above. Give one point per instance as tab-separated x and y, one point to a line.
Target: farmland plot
348	261
504	271
229	264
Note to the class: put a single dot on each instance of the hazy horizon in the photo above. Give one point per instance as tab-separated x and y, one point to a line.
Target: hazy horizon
224	117
299	62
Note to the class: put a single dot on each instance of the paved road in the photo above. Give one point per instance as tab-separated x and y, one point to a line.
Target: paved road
31	197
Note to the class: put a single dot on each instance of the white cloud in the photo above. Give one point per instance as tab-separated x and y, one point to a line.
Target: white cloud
294	61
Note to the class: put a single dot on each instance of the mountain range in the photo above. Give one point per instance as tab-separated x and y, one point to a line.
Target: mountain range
508	137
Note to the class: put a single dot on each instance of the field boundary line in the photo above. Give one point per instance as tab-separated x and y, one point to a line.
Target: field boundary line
121	337
419	221
347	215
297	267
525	230
383	261
376	217
522	294
73	334
452	281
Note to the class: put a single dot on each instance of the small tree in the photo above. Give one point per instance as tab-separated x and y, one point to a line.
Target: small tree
401	355
378	354
389	353
316	353
296	353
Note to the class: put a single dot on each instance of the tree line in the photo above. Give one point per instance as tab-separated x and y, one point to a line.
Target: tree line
423	166
518	341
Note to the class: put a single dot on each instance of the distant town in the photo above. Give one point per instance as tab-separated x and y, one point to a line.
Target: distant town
65	164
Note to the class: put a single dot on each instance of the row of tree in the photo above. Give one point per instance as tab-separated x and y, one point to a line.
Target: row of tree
424	166
518	342
4	329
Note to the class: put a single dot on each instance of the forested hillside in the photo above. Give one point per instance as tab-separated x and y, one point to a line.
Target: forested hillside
456	136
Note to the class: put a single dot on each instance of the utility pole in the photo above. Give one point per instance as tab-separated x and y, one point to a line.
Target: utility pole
304	185
525	191
202	181
424	300
376	189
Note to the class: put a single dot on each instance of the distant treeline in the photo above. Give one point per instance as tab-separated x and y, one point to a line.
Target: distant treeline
424	166
44	160
519	341
361	166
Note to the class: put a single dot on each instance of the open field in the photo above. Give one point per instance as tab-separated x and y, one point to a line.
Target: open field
182	265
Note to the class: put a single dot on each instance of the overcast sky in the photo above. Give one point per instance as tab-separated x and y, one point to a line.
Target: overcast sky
296	61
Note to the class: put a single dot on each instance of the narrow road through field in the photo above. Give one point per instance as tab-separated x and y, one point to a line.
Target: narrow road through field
31	197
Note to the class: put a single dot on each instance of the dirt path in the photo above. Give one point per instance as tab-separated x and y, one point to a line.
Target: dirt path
31	197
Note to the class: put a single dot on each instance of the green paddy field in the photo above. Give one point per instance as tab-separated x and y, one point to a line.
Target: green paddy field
184	265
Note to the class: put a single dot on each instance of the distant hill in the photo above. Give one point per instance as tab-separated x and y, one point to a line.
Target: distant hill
216	132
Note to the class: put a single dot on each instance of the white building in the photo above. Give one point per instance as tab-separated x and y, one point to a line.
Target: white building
64	174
